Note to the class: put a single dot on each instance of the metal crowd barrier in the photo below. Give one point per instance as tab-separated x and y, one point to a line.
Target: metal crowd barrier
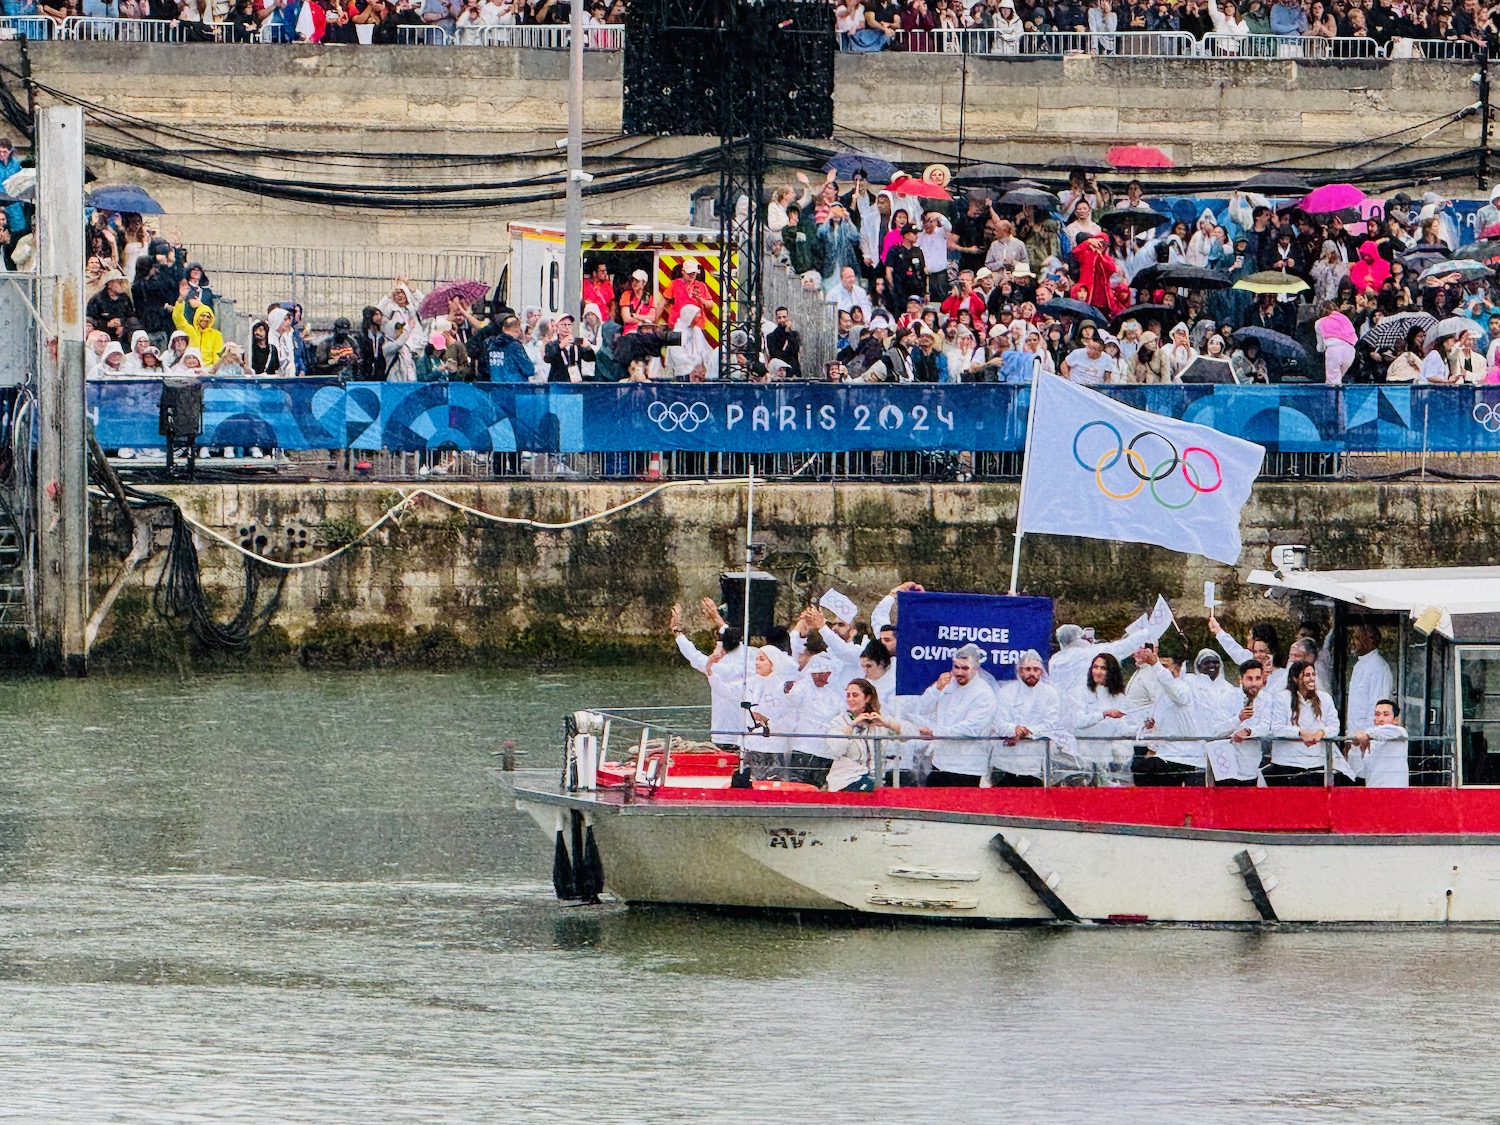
1290	47
32	27
96	29
1169	44
675	729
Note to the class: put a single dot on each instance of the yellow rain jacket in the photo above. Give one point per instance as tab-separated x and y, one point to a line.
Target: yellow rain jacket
201	332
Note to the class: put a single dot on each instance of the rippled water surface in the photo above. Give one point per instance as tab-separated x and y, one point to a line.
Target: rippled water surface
307	898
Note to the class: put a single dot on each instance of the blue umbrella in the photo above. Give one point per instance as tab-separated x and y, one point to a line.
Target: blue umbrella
1274	345
1066	306
877	169
124	197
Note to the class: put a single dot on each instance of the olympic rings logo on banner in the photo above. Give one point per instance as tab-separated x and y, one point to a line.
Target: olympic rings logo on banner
1488	416
1135	461
678	416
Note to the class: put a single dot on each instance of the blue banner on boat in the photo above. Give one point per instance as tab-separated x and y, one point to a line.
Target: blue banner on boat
794	418
930	627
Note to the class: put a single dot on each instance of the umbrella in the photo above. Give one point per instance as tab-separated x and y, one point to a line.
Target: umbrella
1066	306
1029	197
1079	163
1393	330
1423	254
21	186
1144	312
876	169
987	175
1206	369
1451	326
1138	156
124	197
1275	345
1271	281
1033	184
1123	217
1276	183
1479	251
922	189
1468	270
1179	276
436	302
1331	197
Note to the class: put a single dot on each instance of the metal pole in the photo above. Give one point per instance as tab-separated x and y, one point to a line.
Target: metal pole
1484	118
572	303
1015	559
62	458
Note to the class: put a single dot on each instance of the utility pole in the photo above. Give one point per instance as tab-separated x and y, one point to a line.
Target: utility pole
573	230
62	502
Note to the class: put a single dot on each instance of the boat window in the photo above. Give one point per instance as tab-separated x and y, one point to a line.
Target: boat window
1479	715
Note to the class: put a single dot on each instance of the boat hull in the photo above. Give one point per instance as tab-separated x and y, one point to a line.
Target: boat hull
1003	867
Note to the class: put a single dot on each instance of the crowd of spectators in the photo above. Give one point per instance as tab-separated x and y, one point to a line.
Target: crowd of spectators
974	290
1023	27
327	21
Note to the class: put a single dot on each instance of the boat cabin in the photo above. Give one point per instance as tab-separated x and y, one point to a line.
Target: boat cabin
1440	633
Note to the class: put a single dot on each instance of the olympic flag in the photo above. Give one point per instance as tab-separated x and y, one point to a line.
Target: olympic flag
1106	471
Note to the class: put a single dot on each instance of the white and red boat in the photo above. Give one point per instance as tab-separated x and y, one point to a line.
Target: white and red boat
666	827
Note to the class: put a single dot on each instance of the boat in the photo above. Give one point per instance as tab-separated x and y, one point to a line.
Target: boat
669	822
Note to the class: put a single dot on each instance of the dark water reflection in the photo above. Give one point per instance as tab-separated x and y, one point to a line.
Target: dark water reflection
306	898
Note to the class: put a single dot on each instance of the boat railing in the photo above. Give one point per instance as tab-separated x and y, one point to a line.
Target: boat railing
654	737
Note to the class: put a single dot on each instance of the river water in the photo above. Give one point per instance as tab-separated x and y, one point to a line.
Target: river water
307	898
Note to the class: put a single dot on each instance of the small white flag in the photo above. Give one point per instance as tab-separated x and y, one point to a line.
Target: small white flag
1103	470
1156	622
838	605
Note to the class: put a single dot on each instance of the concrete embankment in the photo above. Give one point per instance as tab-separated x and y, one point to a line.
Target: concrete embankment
437	586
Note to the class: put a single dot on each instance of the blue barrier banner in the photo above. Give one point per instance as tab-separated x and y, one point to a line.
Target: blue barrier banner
930	627
798	418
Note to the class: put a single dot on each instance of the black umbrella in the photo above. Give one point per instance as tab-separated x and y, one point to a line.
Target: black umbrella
1149	278
1123	217
1035	184
1080	163
1029	197
1206	369
1066	306
1179	276
1276	345
1143	313
1422	255
987	175
876	169
1392	331
1479	251
1276	183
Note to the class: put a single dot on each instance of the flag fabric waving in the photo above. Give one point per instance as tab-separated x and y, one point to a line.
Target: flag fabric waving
1103	470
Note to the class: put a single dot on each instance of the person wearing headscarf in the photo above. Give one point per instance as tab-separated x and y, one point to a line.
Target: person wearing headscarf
771	711
177	345
1336	340
1201	245
695	358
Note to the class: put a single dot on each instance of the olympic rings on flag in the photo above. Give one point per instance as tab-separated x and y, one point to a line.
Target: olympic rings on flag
1487	415
1136	463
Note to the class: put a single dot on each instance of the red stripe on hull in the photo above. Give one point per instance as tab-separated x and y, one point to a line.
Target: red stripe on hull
1349	811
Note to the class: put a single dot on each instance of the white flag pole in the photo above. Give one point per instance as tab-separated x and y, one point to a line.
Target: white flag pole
1015	558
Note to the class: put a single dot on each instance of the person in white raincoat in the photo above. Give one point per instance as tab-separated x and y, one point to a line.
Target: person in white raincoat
957	713
1027	712
772	711
695	358
1105	720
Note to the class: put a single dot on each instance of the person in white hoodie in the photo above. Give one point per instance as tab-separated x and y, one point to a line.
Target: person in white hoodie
1305	718
1027	712
1226	21
772	711
135	358
1172	757
279	322
695	359
954	716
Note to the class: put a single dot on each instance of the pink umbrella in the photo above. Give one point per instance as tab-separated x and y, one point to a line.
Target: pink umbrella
1138	156
922	189
436	302
1331	197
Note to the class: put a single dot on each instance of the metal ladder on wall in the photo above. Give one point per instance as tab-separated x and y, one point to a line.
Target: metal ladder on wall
14	603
